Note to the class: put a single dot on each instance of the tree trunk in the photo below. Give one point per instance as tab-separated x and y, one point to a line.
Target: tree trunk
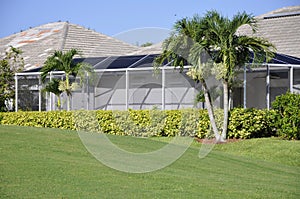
210	111
58	102
226	105
67	89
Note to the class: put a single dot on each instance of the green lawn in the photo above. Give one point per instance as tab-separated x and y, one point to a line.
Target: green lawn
51	163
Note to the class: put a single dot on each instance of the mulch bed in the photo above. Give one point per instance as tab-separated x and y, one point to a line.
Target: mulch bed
213	141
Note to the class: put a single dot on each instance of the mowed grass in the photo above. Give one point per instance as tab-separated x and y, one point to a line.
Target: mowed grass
52	163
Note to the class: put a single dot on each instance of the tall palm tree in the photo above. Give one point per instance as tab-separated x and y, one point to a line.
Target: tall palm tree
216	36
61	61
231	50
184	45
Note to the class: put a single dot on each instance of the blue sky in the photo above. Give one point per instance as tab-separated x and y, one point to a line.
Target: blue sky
114	16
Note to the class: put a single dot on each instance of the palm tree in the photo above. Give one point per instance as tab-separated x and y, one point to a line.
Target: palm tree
231	50
53	87
186	45
61	61
216	37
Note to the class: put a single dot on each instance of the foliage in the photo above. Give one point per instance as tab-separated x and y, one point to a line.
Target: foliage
185	45
9	65
230	50
51	119
249	123
147	44
287	107
63	61
53	87
243	123
211	45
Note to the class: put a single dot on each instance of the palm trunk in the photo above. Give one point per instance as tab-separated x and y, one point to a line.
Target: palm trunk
210	111
58	102
225	122
68	88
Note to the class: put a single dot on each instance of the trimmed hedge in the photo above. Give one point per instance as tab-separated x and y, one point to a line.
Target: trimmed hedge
51	119
243	123
250	123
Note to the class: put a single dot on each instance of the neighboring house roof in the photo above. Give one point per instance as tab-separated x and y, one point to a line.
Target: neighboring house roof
281	27
40	42
153	49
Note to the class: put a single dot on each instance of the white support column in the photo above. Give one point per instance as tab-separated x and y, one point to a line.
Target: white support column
87	91
245	87
16	92
163	85
40	93
268	87
126	89
291	79
50	95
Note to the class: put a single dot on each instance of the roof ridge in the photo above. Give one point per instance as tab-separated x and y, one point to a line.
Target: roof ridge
65	34
283	10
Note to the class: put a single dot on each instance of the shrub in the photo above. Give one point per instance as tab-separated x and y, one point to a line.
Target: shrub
51	119
243	123
247	123
287	113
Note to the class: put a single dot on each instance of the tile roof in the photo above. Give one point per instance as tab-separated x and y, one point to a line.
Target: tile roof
281	27
39	42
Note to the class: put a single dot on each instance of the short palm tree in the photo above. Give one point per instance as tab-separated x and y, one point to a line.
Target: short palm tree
61	61
53	87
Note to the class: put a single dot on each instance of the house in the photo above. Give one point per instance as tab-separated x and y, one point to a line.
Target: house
282	28
125	72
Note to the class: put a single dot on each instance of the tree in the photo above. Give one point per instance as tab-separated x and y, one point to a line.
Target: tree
147	44
230	50
53	87
186	45
9	65
211	44
61	61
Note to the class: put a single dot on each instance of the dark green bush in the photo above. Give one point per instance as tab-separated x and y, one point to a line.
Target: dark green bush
287	107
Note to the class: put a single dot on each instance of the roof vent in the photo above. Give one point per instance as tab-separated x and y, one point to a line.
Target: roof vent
285	14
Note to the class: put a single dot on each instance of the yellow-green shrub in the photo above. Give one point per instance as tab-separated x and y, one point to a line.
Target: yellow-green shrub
243	123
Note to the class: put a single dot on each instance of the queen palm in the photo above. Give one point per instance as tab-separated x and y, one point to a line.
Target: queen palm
61	61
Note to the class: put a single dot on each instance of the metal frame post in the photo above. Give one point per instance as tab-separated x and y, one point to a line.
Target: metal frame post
291	79
268	87
163	82
126	89
50	94
16	92
40	93
245	87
